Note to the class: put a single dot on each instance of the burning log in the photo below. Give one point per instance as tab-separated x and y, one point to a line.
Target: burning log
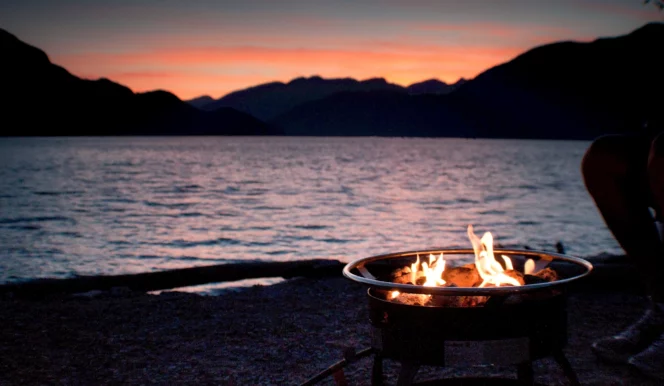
457	301
543	276
516	275
547	274
487	271
401	276
413	299
464	276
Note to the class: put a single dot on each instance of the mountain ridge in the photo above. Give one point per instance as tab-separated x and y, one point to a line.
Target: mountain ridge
253	99
559	90
266	101
554	91
76	106
565	84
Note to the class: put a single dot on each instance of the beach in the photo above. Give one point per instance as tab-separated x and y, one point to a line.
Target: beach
275	335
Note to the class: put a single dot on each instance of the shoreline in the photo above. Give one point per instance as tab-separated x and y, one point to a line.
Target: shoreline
215	280
275	335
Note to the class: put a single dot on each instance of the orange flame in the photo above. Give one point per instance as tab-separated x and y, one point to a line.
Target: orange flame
489	269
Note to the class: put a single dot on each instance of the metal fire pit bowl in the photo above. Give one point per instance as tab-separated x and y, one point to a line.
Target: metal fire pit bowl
515	325
369	270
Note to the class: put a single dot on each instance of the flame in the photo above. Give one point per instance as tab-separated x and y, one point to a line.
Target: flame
488	267
413	270
490	270
529	268
431	271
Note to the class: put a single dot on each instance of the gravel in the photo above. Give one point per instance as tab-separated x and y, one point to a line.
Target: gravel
277	335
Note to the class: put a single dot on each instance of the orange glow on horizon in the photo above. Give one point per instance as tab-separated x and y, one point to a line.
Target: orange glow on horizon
216	71
190	66
212	48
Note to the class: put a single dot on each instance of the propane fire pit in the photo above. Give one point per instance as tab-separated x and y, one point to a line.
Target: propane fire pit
428	308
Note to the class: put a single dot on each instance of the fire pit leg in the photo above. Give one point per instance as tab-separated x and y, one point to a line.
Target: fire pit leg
377	371
525	374
407	373
567	368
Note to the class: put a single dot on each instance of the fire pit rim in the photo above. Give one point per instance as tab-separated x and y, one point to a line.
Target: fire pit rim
464	291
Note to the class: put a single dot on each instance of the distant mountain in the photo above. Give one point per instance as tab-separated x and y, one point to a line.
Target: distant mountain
267	101
201	101
565	90
374	113
570	89
73	106
434	86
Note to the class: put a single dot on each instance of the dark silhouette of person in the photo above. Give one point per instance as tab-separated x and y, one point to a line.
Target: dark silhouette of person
624	174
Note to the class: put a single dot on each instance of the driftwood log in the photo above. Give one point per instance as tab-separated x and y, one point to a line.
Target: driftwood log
153	281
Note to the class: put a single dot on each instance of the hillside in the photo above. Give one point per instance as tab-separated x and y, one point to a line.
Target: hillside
564	90
267	101
374	113
73	106
571	89
434	86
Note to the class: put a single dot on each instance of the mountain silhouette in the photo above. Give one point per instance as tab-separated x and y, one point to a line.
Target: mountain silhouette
267	101
570	89
434	86
375	113
201	101
74	106
566	90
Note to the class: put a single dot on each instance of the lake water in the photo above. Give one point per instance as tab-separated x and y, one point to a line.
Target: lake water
71	206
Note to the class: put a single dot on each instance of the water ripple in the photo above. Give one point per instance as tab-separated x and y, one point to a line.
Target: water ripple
125	205
37	219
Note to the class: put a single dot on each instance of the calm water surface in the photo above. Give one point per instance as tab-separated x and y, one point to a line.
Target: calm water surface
71	206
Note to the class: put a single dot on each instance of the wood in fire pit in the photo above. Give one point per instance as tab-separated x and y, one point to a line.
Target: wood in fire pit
463	276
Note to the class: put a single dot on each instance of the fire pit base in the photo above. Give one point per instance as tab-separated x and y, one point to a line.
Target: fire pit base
506	330
525	375
462	323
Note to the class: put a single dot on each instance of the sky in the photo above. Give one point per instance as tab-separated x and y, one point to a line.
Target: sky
213	47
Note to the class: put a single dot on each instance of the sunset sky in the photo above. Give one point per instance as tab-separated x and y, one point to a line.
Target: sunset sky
212	47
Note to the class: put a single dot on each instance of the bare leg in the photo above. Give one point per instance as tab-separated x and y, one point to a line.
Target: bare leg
656	180
651	360
614	171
